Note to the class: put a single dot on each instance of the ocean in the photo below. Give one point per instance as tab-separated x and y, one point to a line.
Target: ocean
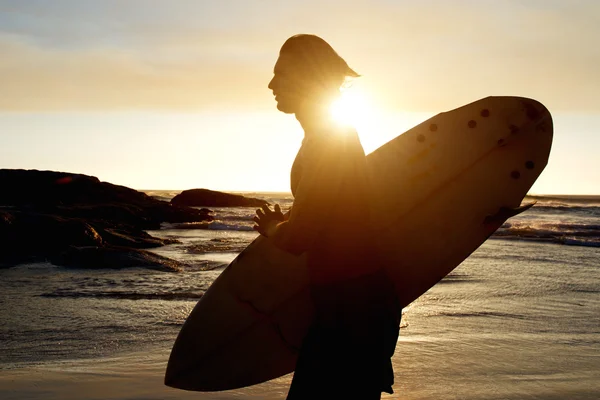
520	318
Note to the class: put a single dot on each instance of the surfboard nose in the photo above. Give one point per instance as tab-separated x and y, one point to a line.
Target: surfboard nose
173	372
538	115
171	378
181	361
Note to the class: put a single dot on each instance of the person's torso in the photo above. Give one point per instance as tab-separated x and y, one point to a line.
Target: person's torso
344	247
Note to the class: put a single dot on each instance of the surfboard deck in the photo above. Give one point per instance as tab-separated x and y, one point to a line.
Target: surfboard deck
438	192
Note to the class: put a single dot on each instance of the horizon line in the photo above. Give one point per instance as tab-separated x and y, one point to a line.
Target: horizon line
289	192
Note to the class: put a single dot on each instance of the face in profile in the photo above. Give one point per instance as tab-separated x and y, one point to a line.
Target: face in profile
297	87
289	86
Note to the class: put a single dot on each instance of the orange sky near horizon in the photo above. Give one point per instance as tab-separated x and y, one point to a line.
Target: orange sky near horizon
173	95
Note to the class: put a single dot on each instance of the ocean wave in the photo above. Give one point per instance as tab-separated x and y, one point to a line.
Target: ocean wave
208	266
545	229
575	208
124	295
216	225
554	240
582	200
457	277
216	246
162	198
164	195
580	242
247	217
447	281
573	234
494	314
583	227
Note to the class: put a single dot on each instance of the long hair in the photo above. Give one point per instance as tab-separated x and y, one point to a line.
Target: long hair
319	59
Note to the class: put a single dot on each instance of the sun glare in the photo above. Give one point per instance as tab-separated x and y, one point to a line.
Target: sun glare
351	108
355	108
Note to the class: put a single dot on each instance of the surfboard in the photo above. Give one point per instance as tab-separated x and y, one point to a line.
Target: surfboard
438	192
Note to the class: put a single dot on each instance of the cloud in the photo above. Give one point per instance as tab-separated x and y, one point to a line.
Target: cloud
436	55
422	56
36	78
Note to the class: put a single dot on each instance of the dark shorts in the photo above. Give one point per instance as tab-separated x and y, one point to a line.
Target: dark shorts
348	349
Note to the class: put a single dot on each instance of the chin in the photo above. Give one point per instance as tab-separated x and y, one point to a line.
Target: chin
285	108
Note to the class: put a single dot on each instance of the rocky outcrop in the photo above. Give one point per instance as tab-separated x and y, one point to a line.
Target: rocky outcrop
76	220
95	257
82	196
211	198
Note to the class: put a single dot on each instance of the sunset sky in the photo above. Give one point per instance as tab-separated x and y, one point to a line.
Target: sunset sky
173	94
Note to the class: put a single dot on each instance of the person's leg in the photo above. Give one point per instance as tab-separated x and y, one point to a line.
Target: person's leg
344	375
347	352
312	377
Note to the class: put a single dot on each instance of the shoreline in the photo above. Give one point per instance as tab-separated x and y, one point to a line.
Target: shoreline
425	366
123	377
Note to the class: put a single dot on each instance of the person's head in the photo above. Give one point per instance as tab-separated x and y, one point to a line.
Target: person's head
308	74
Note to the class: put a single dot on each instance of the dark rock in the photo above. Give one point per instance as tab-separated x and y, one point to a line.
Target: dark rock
83	196
32	187
37	234
114	257
137	239
211	198
46	215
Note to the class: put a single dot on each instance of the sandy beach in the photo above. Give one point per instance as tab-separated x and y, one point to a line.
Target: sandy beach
425	370
517	320
135	376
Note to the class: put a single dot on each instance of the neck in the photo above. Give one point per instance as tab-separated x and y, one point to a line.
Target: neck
311	121
313	117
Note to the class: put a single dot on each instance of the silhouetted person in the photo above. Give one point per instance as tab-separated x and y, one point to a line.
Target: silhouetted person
347	352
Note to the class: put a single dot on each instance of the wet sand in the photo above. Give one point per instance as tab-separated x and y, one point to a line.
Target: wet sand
132	377
426	370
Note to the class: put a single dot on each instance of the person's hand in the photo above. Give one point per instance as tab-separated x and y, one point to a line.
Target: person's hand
267	220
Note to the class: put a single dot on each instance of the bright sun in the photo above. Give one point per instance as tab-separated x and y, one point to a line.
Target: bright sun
354	108
351	108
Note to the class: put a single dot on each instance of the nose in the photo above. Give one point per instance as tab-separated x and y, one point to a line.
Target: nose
272	84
